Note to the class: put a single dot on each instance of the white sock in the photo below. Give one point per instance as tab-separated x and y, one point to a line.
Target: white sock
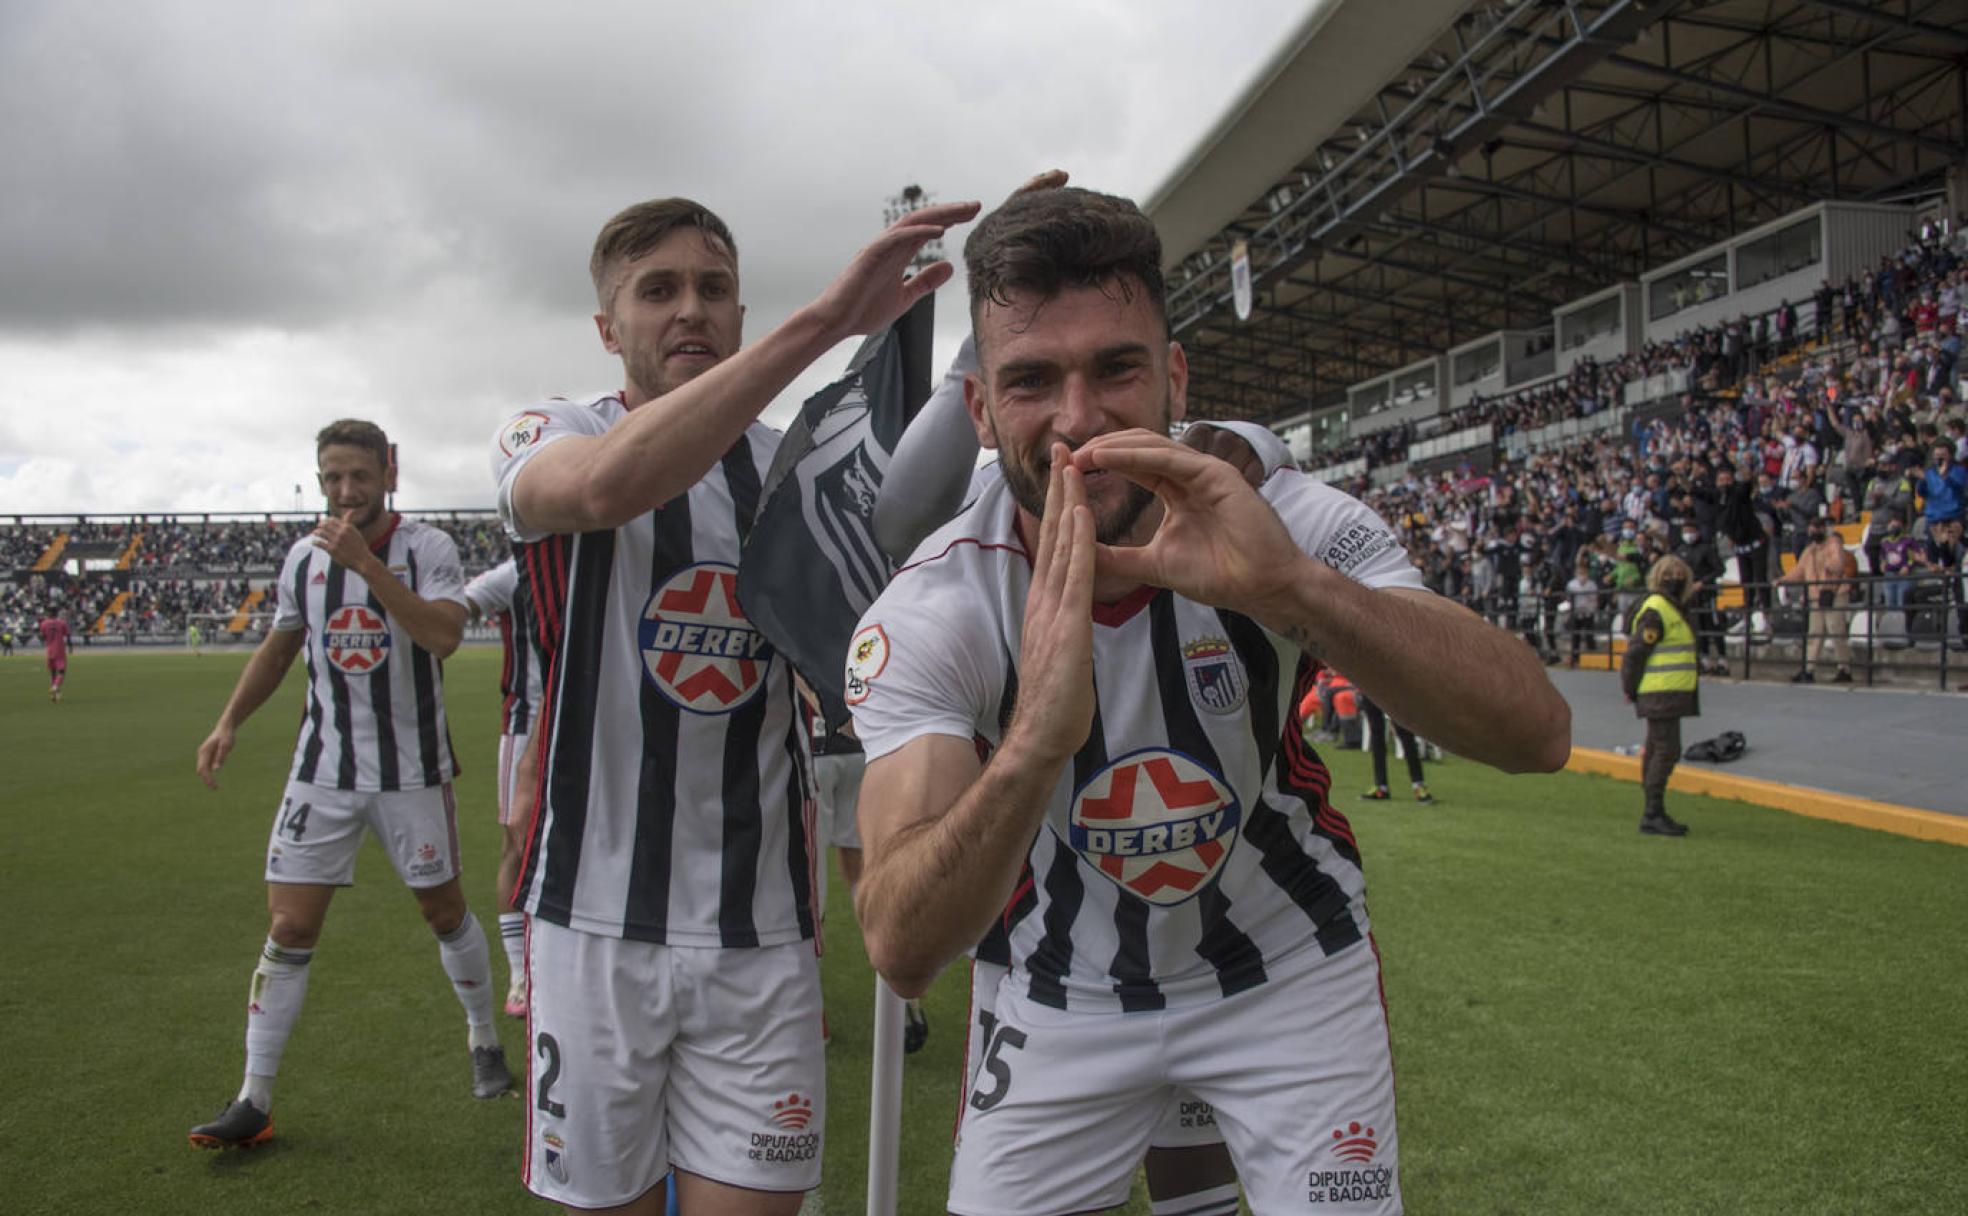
273	1005
512	933
468	962
1216	1201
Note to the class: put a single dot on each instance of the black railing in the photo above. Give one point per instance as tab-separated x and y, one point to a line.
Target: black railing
1893	627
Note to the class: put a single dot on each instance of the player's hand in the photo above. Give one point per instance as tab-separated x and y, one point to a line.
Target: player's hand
212	755
872	291
1218	543
1055	697
1051	179
1227	446
343	540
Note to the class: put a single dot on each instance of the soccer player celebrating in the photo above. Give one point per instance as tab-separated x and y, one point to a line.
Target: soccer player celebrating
500	595
675	1003
377	602
54	643
1128	624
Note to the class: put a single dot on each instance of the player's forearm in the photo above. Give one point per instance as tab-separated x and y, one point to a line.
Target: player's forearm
1436	668
934	888
436	625
666	444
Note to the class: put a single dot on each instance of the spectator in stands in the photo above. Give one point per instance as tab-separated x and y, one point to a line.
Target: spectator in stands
1944	557
1943	487
1705	567
1825	570
1895	561
1582	602
1744	526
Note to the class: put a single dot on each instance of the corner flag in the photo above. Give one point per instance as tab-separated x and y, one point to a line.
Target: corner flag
811	566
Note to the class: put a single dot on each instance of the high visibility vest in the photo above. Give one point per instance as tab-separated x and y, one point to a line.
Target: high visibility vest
1671	664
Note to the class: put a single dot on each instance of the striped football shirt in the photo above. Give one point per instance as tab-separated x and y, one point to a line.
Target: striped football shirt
1190	847
502	597
374	715
673	803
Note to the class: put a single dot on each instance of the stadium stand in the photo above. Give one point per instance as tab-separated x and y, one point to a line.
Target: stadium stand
141	580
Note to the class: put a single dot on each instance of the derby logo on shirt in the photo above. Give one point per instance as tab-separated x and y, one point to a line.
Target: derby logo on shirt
1215	677
356	641
1157	822
697	647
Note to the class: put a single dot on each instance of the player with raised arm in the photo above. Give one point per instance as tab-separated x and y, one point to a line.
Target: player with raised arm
500	596
377	603
1127	624
675	1003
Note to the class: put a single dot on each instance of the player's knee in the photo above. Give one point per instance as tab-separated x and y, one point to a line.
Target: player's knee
443	908
293	931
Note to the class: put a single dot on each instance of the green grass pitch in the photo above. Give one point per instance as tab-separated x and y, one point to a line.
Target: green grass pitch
1769	1016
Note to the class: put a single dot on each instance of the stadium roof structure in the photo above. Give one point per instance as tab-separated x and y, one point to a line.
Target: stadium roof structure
1409	175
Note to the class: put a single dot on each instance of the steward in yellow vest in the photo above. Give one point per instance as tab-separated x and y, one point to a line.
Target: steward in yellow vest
1661	676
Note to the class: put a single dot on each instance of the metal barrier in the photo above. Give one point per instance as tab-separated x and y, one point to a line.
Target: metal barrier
1895	628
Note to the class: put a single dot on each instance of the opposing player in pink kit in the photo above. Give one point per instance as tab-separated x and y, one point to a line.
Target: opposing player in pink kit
54	640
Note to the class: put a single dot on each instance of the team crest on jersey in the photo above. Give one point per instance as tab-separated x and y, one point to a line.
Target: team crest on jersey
1215	677
357	640
521	432
697	647
867	655
1157	822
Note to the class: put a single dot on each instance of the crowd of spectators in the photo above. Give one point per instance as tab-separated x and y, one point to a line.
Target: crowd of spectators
174	575
1775	440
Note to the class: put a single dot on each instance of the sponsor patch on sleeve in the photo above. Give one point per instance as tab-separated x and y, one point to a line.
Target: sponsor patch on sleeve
1650	633
867	655
522	432
1355	545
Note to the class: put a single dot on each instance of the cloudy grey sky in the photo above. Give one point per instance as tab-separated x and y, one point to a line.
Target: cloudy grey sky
226	223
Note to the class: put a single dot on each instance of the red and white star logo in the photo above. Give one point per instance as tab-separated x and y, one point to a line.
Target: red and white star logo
697	647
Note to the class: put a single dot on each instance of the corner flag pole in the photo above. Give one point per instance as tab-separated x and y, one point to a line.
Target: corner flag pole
885	1103
915	329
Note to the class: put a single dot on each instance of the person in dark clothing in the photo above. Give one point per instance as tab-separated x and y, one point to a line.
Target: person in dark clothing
1377	722
1740	523
1705	566
1662	679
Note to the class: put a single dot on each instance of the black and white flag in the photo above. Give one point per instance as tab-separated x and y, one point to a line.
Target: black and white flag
811	566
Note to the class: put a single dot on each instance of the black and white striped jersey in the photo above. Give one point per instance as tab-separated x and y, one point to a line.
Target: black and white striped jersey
502	597
674	805
374	716
1190	847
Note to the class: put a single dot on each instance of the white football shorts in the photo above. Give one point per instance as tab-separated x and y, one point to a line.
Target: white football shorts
1188	1123
317	833
1297	1071
644	1056
838	790
511	749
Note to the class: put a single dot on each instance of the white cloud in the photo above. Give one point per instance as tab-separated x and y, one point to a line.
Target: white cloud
241	221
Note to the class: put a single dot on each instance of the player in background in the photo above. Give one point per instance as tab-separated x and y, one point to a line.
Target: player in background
195	638
499	595
1126	622
377	603
6	639
54	643
675	1003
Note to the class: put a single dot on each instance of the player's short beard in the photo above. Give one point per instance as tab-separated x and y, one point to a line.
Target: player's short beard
1028	488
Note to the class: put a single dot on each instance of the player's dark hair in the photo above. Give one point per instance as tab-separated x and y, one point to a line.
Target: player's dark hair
355	433
636	230
1046	241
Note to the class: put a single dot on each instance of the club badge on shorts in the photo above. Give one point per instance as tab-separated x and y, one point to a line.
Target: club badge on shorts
1215	676
1157	822
697	647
